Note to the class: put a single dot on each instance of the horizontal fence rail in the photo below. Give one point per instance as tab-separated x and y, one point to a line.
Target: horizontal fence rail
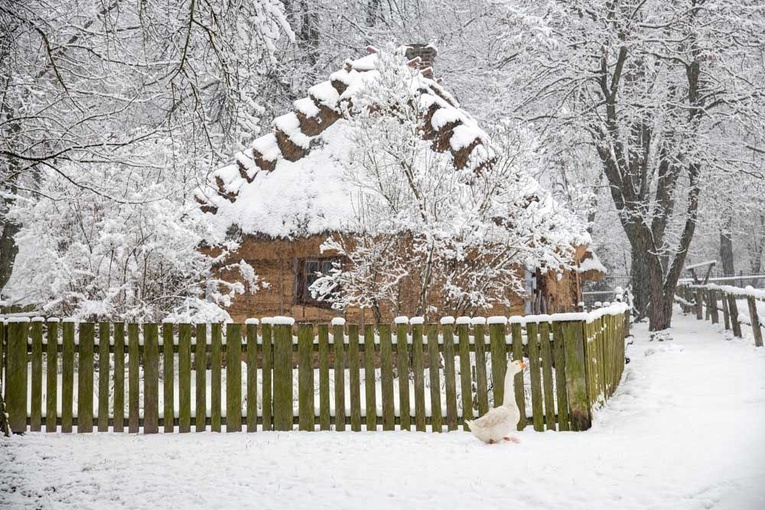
274	375
707	301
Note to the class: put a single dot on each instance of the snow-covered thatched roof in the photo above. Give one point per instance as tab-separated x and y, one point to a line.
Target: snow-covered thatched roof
290	181
294	180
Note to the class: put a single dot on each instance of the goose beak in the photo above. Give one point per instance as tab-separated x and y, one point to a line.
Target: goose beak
524	365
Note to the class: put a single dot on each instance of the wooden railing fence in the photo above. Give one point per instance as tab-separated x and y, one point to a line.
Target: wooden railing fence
261	376
707	301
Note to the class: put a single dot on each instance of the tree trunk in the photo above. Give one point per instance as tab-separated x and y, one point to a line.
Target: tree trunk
8	252
757	247
726	250
641	289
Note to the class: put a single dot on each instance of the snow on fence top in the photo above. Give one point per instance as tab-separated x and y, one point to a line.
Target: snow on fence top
747	291
700	264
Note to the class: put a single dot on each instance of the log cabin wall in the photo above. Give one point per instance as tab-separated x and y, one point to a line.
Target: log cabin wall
274	261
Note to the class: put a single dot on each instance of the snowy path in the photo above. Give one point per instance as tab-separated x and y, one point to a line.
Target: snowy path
685	430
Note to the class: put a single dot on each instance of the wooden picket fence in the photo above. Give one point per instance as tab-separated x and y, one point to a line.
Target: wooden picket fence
708	300
575	363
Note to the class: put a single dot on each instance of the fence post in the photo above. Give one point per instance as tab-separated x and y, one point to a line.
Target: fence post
233	377
708	298
713	305
305	376
16	376
282	333
733	309
520	399
576	374
755	319
150	379
699	304
726	313
466	384
338	343
497	342
85	379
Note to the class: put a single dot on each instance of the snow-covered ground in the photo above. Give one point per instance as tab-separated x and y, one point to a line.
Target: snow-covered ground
685	430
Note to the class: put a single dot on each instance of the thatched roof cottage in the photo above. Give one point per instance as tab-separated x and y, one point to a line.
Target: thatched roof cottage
286	194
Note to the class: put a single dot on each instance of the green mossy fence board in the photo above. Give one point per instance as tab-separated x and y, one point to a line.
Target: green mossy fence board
233	377
85	379
535	373
498	362
184	378
67	378
216	362
576	375
168	374
305	377
482	393
353	377
266	332
560	377
282	377
338	344
16	376
547	374
386	376
119	376
449	377
103	376
466	385
520	398
200	367
369	377
35	417
252	377
150	379
133	378
436	413
324	411
419	378
402	366
51	411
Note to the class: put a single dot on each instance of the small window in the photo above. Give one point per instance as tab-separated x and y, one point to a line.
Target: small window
306	273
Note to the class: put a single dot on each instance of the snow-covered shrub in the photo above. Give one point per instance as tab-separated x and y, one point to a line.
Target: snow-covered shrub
123	246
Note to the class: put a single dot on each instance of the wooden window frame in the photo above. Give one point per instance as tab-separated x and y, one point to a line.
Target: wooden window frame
300	293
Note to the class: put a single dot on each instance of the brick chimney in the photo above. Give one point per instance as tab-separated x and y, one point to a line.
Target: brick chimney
426	54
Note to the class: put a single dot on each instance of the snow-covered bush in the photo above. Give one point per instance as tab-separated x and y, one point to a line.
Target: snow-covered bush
131	254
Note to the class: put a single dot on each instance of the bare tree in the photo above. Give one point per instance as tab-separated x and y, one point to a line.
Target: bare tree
658	88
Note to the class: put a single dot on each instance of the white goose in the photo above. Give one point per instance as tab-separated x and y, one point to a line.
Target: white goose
498	422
